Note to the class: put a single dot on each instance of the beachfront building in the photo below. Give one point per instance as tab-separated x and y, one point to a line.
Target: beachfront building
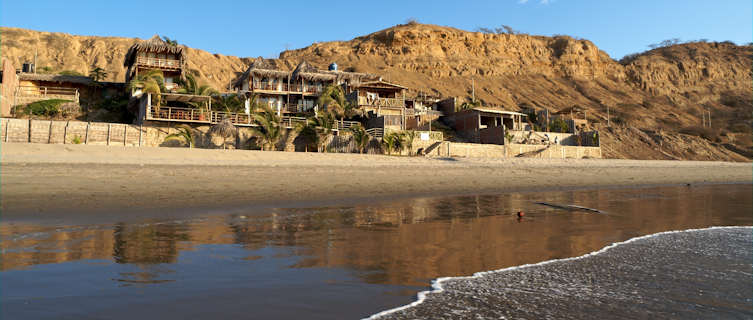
297	92
487	125
155	54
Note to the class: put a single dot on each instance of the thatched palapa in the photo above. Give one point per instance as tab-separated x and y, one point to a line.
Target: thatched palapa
155	44
308	72
55	78
262	68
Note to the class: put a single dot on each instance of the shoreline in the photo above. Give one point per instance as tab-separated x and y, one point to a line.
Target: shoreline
56	181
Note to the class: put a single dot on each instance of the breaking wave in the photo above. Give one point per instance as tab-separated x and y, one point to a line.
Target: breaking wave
694	273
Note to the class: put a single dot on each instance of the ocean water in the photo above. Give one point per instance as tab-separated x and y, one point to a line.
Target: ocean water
691	274
354	261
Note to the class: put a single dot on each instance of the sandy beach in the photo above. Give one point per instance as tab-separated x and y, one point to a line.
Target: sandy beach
40	180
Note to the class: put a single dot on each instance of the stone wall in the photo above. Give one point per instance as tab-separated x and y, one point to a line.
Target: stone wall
473	150
154	134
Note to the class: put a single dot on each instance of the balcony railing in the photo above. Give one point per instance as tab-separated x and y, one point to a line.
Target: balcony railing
270	86
381	102
159	63
208	116
48	92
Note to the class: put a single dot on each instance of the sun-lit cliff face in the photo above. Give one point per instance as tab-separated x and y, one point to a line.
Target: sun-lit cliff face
653	99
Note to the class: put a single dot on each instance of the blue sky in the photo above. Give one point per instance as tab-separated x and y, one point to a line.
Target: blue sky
264	28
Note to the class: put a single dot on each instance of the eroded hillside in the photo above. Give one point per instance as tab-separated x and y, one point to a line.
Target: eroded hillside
655	99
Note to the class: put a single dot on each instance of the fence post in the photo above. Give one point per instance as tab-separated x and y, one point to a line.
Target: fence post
86	137
29	132
109	128
141	131
49	135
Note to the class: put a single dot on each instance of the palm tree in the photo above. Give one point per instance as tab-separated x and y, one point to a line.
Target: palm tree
360	137
229	103
317	129
470	105
152	81
171	42
184	133
333	100
325	124
191	86
409	136
98	74
308	132
267	128
394	141
224	129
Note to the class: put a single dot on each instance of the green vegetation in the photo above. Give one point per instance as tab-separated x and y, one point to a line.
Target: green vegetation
76	139
98	74
268	129
185	133
171	42
360	137
394	141
333	101
559	125
230	103
45	107
190	86
152	82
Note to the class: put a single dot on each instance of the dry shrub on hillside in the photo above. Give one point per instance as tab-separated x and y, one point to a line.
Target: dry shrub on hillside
711	134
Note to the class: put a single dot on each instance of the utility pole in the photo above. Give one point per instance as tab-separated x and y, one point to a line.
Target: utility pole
608	116
709	118
35	60
473	90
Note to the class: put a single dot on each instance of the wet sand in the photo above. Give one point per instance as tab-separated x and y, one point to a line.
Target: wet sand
348	262
40	180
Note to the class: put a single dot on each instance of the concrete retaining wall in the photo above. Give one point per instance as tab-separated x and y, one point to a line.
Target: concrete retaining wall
153	134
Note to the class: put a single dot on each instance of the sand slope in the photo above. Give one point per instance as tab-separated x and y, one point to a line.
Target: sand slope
40	179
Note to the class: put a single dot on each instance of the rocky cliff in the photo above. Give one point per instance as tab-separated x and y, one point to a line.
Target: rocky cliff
655	99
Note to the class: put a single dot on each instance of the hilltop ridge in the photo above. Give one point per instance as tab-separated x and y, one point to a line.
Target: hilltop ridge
655	98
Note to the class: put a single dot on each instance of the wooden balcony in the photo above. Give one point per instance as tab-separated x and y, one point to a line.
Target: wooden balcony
381	102
159	63
192	115
29	94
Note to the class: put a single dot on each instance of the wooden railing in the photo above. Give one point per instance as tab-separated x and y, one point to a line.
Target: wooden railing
160	63
270	86
381	102
48	92
376	132
207	116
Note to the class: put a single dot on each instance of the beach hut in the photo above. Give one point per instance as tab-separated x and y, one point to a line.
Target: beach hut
156	54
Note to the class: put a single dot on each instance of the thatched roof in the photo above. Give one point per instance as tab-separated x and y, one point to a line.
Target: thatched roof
262	68
353	77
155	44
55	78
308	72
381	84
224	129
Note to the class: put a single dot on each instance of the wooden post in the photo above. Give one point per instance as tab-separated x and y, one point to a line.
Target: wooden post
608	116
29	132
109	128
709	118
125	135
65	131
49	136
86	137
141	131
